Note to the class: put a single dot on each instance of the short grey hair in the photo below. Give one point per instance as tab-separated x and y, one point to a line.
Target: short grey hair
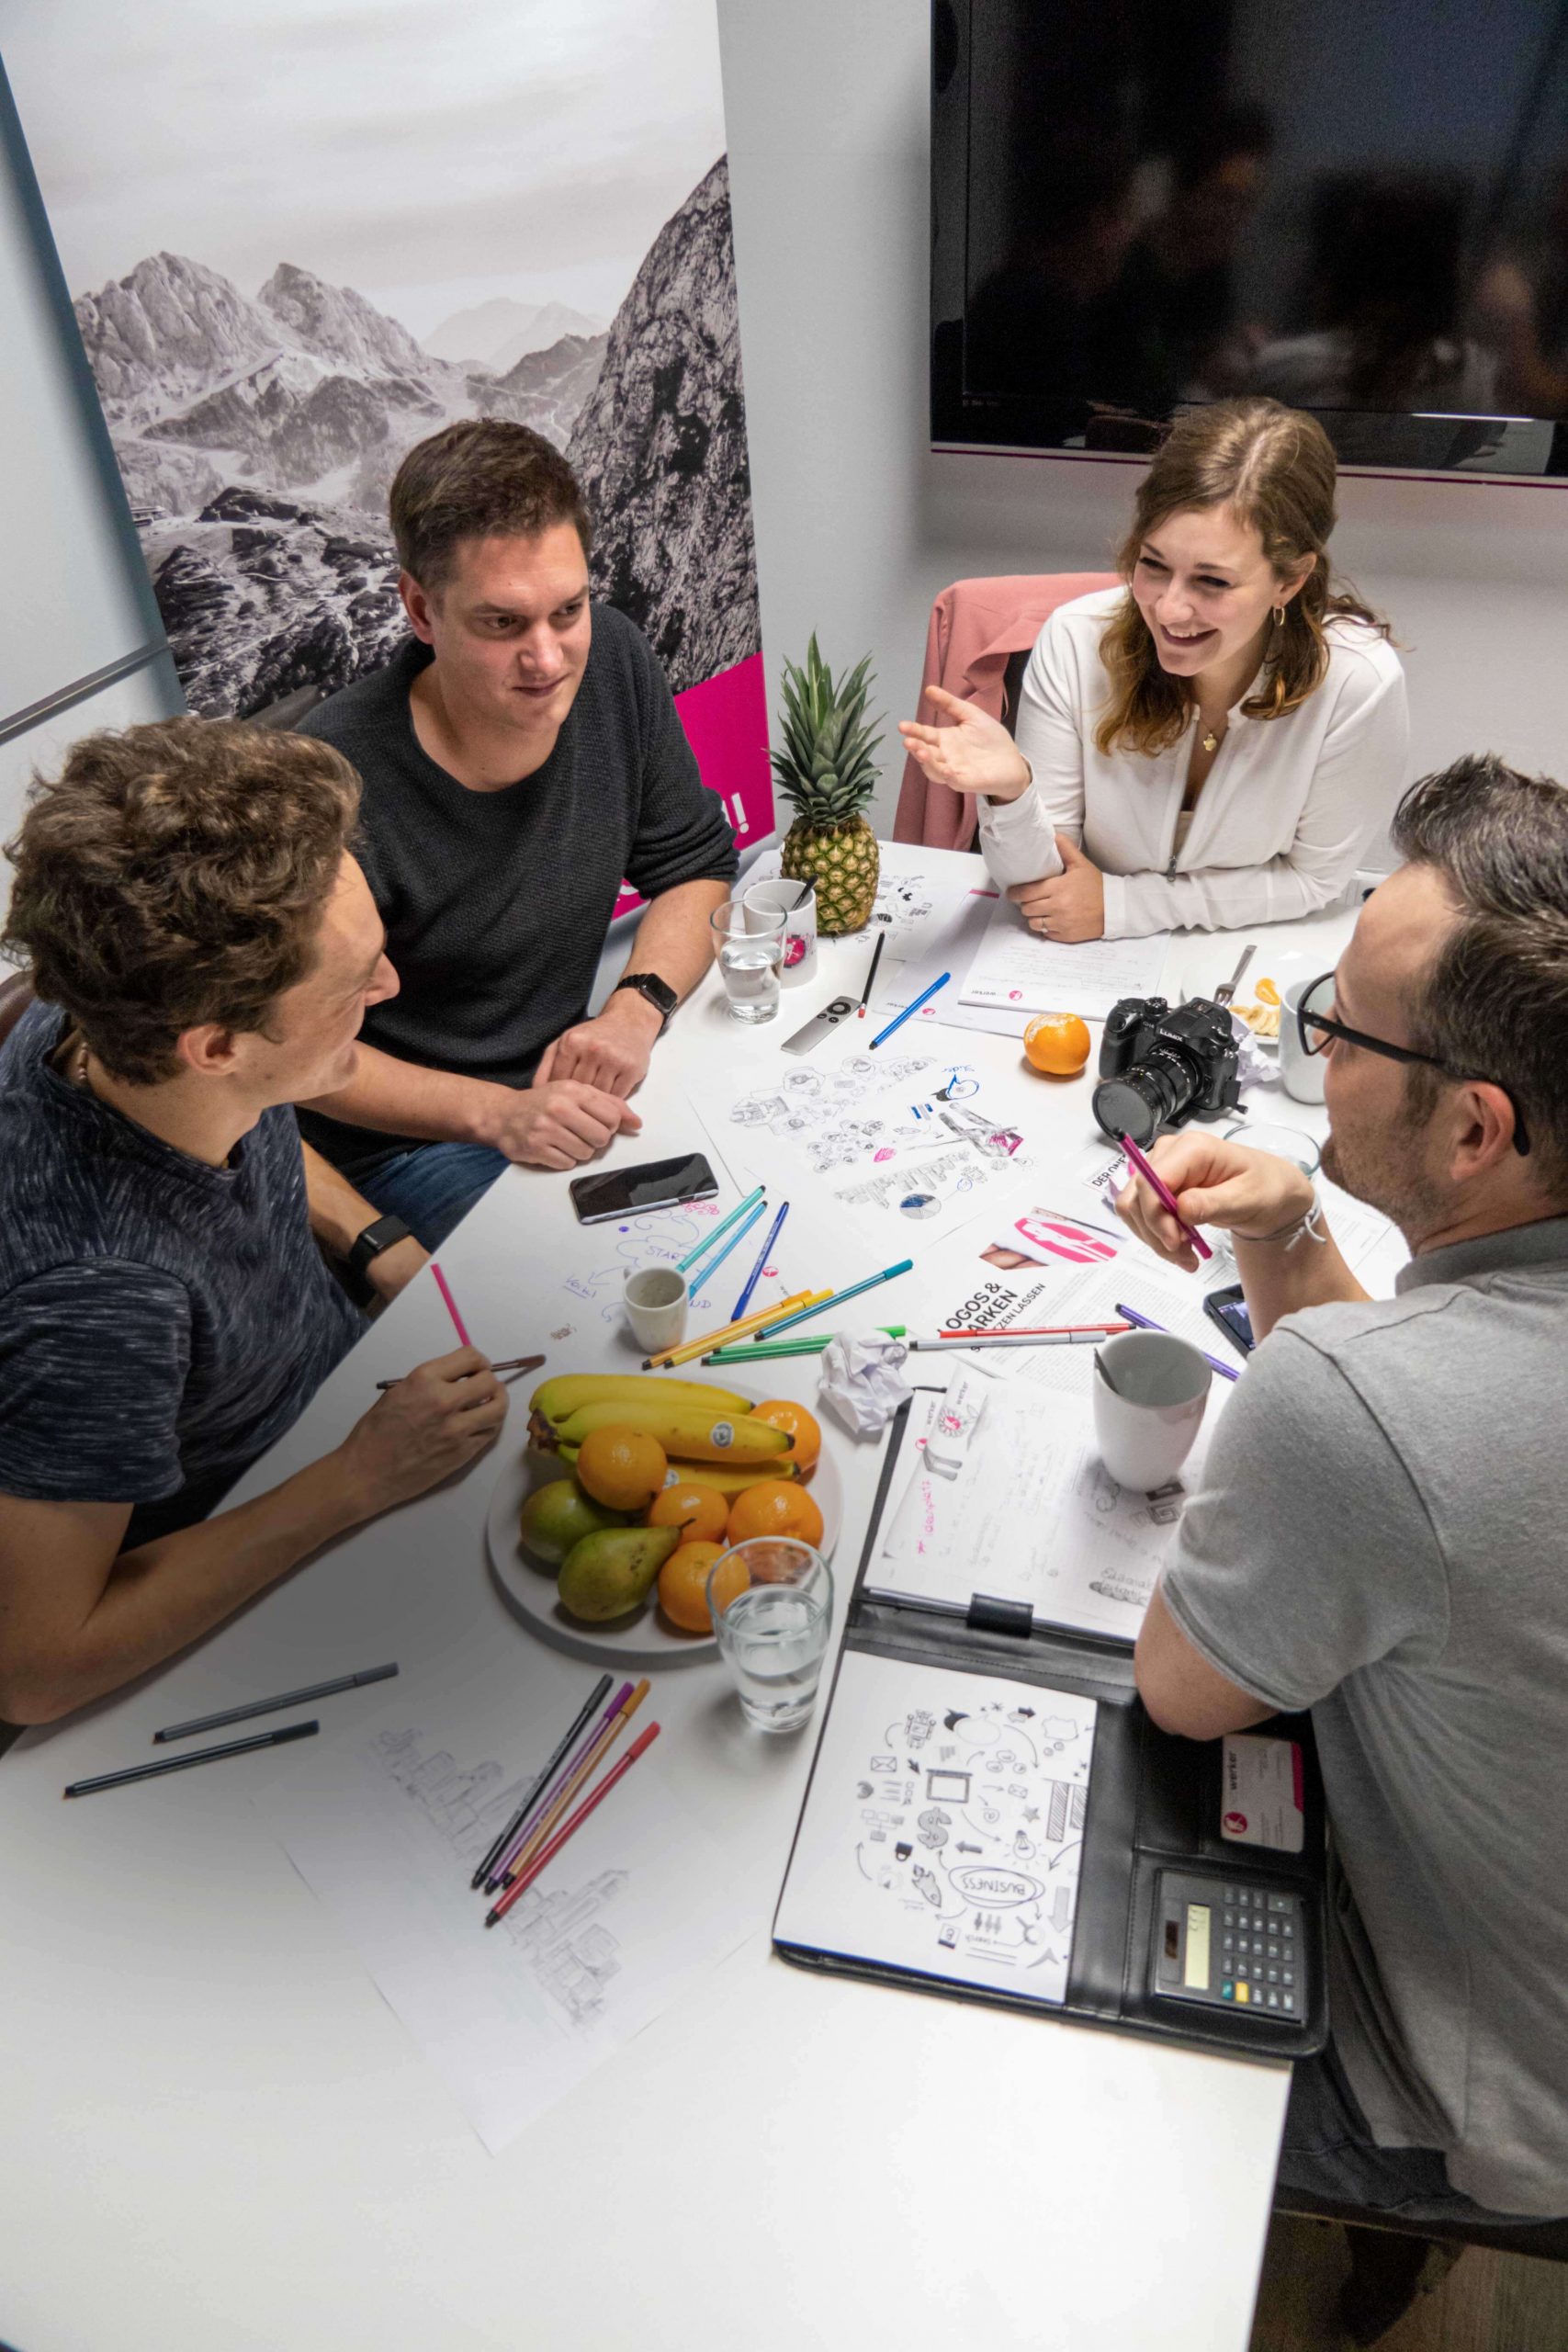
1494	998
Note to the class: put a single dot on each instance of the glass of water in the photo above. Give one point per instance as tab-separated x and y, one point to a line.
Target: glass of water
751	949
771	1604
1286	1143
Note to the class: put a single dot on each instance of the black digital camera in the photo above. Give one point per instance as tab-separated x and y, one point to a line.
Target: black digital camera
1160	1067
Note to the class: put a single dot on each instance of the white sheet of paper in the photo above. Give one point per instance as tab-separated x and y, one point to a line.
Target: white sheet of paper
1014	967
1033	1516
905	1145
387	1825
943	1829
949	942
599	1258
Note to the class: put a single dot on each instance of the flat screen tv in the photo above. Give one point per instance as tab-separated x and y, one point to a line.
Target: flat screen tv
1358	205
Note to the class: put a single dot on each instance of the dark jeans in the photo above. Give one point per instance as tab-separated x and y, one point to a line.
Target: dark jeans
1328	2152
431	1186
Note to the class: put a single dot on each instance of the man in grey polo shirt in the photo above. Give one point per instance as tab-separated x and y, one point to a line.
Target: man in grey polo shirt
1381	1533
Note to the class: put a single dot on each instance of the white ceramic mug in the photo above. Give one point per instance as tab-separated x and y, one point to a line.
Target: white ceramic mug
1301	1074
796	901
655	1301
1150	1389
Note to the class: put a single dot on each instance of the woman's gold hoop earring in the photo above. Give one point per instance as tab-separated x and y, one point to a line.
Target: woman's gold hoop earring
1278	617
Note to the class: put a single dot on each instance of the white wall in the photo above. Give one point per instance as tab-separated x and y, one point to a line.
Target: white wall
859	525
77	599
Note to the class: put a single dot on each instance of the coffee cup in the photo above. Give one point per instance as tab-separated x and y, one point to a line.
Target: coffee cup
796	901
1150	1389
1301	1074
655	1301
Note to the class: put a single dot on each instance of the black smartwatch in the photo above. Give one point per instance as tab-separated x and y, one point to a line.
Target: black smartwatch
659	994
381	1235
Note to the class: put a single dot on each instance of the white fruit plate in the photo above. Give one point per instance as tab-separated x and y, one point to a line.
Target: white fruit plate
1284	966
642	1637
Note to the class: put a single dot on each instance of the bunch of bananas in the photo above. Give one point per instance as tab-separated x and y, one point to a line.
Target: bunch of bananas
709	1430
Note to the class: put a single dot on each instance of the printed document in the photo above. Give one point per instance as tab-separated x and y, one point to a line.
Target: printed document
1017	970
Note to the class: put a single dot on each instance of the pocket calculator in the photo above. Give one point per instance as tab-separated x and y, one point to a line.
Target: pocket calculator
1230	1946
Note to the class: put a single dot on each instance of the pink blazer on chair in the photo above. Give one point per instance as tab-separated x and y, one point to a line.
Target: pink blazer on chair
976	627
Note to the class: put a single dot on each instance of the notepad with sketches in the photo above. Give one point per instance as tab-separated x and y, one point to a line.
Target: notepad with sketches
1028	1514
944	1832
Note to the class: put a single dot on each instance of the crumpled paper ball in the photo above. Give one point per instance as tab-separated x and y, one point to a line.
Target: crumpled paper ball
1254	1067
863	1382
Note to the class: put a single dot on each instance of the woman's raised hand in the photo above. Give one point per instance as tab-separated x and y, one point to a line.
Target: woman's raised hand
974	754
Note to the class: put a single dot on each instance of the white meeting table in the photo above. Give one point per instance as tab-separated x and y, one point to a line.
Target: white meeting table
217	2137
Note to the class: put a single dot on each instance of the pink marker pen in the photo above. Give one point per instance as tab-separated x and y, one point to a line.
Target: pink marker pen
1163	1195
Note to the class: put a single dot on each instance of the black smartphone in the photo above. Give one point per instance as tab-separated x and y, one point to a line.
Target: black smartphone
632	1191
1228	1309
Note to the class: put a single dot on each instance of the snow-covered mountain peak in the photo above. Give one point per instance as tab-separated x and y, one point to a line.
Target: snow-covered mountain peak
334	322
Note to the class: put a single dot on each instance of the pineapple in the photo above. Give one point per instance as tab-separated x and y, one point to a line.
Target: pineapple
827	772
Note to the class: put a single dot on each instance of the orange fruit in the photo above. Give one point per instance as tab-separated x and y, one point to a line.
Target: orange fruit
1057	1044
622	1468
782	1413
700	1514
730	1579
775	1507
683	1586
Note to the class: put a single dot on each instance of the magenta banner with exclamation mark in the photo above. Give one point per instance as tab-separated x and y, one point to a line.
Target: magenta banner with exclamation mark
726	719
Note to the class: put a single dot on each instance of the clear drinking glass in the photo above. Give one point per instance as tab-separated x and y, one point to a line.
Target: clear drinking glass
1286	1143
751	949
772	1630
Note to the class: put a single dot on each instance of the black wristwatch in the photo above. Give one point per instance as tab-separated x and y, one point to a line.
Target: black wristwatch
659	993
381	1235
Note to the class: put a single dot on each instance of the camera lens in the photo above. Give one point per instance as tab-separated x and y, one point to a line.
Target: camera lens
1144	1098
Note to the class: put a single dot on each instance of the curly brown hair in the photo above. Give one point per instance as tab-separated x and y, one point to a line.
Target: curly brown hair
175	874
480	478
1273	468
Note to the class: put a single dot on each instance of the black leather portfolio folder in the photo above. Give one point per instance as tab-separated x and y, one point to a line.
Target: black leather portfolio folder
993	1814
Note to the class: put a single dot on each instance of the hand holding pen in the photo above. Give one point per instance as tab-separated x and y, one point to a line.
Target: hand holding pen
1249	1194
432	1423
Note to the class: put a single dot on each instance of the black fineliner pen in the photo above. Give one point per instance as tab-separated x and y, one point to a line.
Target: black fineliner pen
275	1706
196	1756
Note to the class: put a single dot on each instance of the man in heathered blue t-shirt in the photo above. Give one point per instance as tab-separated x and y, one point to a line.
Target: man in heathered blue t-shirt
202	948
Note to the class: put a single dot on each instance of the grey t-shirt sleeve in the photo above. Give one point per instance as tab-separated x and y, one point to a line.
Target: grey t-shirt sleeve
683	833
1308	1551
93	1360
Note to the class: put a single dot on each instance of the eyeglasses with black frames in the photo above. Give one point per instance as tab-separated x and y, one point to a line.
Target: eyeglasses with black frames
1316	1028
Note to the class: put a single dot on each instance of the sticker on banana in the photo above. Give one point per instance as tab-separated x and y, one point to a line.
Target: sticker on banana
689	1432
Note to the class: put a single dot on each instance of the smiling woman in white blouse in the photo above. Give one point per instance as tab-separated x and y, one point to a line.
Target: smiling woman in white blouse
1213	743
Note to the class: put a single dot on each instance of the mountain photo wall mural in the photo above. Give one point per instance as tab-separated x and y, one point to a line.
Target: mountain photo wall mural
297	245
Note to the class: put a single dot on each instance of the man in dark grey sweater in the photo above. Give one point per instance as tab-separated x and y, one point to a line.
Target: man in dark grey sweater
520	757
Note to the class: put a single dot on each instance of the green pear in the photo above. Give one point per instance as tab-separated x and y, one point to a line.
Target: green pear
558	1516
606	1575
